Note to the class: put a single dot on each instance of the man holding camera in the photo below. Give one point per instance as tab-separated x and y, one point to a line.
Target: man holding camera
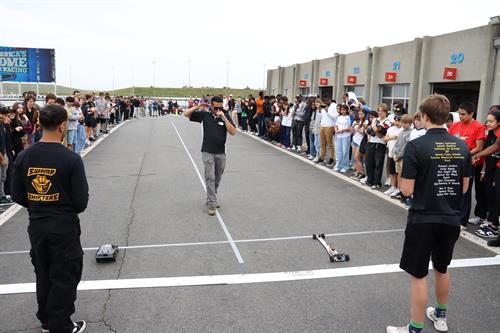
216	124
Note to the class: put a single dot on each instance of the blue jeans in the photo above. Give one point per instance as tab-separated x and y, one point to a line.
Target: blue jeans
314	144
285	136
342	152
261	124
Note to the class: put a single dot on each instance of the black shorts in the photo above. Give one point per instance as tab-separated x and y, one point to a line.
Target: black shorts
424	241
392	166
90	122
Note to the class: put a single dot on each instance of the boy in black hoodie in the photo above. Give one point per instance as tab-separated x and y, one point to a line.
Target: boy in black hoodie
50	181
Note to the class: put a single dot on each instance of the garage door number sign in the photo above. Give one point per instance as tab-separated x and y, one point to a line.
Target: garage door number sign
457	58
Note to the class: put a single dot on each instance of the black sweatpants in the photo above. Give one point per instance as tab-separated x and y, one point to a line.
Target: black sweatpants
374	163
481	209
297	129
57	255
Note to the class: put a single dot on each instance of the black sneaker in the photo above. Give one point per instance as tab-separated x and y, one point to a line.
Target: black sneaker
494	243
79	327
330	163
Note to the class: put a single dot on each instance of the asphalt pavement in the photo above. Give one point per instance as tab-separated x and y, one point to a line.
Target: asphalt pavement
146	196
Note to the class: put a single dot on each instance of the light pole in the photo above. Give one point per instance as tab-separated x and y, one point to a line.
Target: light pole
227	74
189	73
264	77
154	63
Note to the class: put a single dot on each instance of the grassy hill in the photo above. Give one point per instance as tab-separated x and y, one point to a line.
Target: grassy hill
183	92
12	88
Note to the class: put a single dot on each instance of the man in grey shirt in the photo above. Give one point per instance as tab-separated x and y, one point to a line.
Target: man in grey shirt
216	124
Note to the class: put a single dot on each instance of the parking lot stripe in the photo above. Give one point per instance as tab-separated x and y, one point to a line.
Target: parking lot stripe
255	240
232	279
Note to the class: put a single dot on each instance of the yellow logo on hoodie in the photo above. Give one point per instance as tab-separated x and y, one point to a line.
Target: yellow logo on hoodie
42	184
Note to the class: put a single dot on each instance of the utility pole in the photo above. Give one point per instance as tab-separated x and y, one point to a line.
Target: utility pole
189	73
154	63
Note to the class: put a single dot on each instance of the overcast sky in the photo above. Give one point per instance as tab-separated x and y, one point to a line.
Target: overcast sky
98	37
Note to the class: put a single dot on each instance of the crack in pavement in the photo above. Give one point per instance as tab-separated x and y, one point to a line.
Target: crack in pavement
127	235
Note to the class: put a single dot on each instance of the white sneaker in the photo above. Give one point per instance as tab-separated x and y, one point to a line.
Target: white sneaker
294	148
485	224
299	148
475	220
440	324
395	193
316	159
363	180
390	190
310	157
335	169
343	170
392	329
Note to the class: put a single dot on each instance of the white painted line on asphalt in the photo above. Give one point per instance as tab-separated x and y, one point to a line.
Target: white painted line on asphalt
219	217
466	235
256	240
232	279
11	211
5	216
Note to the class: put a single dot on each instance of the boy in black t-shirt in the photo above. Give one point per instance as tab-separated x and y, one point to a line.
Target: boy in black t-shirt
436	171
50	181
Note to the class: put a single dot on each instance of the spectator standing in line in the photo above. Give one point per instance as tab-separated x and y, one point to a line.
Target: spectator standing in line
376	148
472	132
4	156
358	133
437	179
286	122
31	112
399	149
342	139
100	105
390	138
267	107
251	115
493	149
238	109
489	229
308	110
216	125
315	124
73	117
259	113
80	128
16	133
327	131
298	123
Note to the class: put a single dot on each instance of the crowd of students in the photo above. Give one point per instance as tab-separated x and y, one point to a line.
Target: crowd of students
365	143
